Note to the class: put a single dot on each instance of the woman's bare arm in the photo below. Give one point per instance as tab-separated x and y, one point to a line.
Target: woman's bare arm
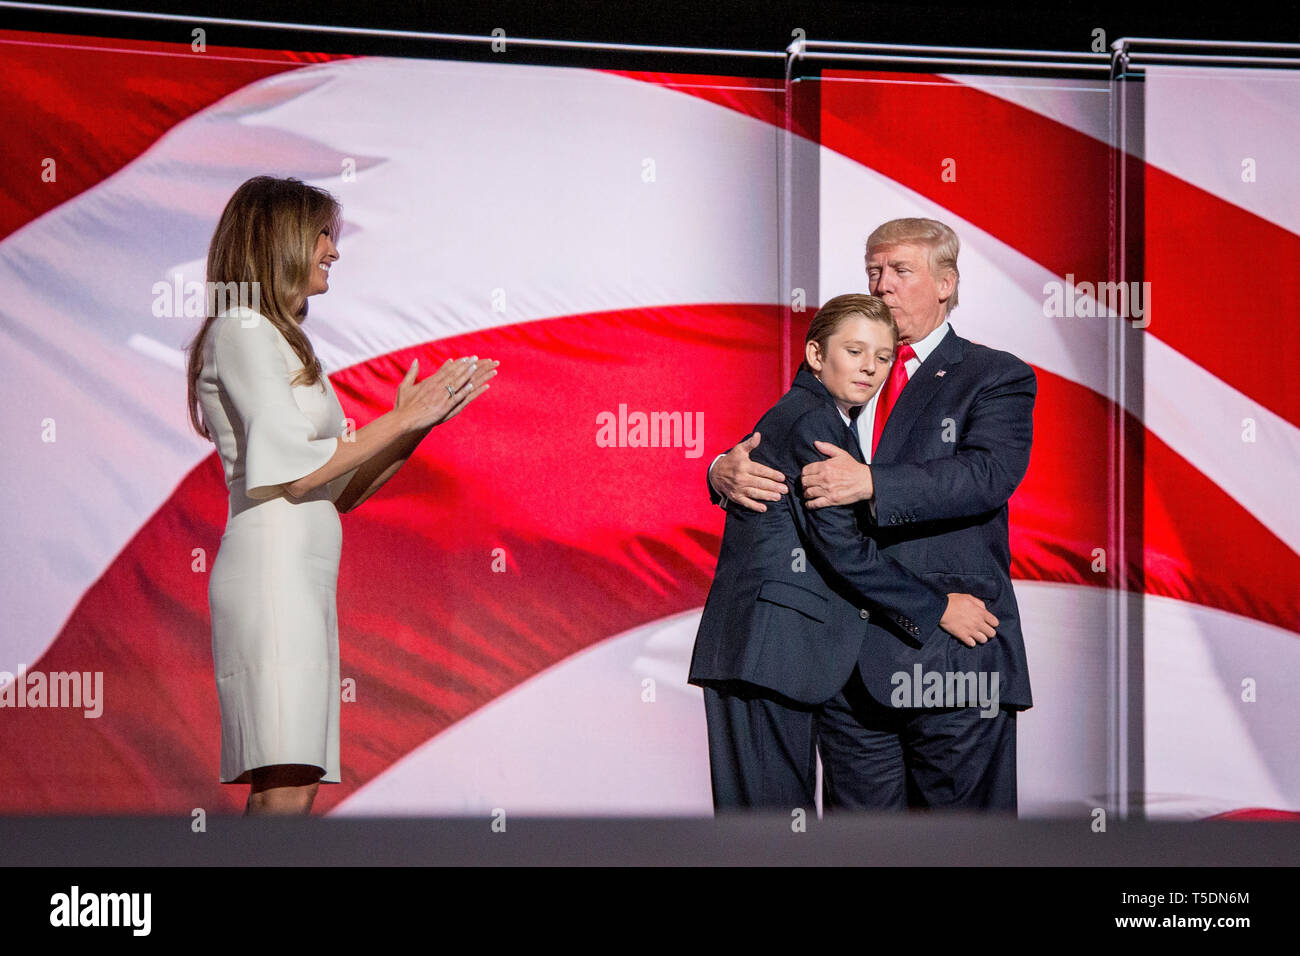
427	403
372	476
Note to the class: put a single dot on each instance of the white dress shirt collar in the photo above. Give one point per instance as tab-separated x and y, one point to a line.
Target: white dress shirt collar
925	346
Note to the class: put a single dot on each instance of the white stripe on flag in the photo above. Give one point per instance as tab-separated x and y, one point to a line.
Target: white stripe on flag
541	190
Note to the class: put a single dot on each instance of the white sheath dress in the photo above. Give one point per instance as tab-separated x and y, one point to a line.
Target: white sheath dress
272	586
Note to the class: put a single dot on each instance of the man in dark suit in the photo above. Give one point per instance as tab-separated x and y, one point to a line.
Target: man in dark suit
795	587
944	445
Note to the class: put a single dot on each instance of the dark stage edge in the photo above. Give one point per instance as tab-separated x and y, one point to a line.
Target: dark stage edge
866	840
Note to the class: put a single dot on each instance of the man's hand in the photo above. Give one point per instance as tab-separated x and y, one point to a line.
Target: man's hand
738	478
967	620
839	480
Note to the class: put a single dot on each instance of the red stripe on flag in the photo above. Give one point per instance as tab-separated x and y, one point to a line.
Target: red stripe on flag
1259	813
1035	184
92	105
1225	283
1043	188
1198	543
762	99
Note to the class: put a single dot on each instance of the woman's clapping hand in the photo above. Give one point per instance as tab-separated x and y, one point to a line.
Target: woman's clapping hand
444	394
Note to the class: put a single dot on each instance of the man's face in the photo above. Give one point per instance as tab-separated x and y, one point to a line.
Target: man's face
901	276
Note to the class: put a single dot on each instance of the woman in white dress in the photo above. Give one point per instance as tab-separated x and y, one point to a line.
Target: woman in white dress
257	390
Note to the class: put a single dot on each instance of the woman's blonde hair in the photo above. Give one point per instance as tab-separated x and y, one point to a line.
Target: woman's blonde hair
267	235
831	315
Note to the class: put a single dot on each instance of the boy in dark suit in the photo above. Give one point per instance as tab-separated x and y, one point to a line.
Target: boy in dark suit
796	588
941	449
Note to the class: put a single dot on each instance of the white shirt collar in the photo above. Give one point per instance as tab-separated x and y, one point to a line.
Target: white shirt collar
925	346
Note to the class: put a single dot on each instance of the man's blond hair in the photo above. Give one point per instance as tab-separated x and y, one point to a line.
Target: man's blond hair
941	241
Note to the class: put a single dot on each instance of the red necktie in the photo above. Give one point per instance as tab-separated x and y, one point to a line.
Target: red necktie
890	391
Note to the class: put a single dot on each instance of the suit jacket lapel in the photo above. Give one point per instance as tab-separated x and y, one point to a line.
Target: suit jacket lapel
921	388
849	439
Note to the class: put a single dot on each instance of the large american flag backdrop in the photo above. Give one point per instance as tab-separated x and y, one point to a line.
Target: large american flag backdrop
517	607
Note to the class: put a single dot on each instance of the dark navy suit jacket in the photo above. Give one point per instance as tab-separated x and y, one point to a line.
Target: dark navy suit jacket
954	448
796	589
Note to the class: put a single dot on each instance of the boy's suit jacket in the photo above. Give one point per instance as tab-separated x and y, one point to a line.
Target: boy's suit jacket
952	452
795	589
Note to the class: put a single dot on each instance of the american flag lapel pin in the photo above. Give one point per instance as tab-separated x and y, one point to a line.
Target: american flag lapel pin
940	373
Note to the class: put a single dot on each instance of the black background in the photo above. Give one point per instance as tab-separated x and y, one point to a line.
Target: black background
732	24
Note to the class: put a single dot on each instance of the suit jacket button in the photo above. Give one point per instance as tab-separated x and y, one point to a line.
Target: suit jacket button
864	614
